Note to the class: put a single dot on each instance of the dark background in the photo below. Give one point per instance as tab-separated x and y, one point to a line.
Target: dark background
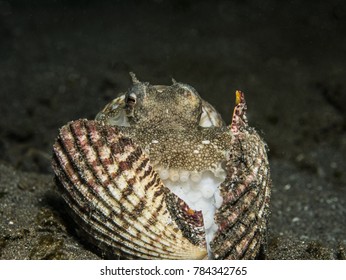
64	60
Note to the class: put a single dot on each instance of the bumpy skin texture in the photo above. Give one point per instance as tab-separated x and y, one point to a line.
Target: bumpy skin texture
108	173
165	122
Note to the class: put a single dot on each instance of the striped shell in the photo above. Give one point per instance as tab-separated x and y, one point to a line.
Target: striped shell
126	192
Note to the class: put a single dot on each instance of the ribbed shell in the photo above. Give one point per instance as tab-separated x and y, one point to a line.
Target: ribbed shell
117	198
242	217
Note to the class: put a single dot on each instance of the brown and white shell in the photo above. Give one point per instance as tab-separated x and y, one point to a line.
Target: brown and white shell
158	175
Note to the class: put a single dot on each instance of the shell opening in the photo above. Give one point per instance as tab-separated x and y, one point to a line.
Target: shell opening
200	191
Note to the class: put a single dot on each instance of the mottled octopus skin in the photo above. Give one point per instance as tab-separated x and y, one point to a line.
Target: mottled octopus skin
107	175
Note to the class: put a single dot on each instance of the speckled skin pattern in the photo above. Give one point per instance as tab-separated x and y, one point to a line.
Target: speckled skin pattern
110	173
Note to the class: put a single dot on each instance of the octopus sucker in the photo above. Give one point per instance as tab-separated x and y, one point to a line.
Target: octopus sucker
159	175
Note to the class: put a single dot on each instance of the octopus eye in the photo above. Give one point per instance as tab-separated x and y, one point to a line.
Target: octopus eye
188	94
131	99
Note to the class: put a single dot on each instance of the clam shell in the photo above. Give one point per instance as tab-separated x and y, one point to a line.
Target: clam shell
118	199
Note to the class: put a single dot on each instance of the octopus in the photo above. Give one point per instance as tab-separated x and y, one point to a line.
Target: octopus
159	175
